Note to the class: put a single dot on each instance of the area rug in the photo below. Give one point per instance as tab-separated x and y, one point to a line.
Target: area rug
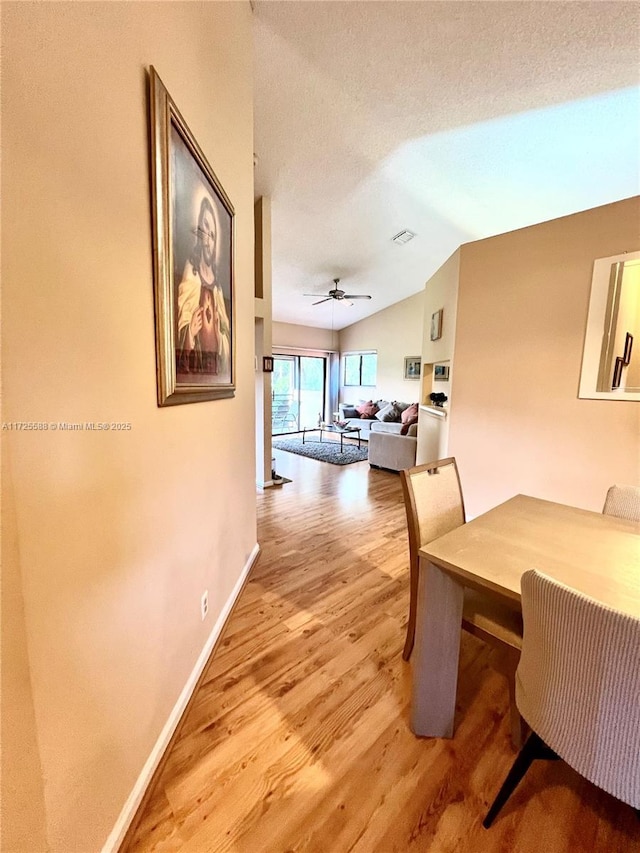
324	451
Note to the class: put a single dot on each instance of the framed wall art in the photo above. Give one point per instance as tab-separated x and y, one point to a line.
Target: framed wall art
628	346
436	325
412	364
193	246
441	372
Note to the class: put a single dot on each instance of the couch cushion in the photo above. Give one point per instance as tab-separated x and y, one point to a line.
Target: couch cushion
386	426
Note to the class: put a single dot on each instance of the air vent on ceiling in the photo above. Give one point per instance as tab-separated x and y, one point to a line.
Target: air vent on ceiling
403	237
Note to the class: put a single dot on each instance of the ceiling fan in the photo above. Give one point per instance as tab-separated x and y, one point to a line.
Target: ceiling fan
336	293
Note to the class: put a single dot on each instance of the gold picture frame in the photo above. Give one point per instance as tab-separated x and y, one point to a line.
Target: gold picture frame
193	258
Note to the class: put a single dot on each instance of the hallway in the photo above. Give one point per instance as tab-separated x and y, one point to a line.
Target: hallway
297	738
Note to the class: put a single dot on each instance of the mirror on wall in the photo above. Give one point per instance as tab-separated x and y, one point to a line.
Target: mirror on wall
611	356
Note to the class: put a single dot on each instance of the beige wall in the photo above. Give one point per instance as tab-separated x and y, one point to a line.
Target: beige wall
394	333
303	337
112	536
22	827
517	425
441	292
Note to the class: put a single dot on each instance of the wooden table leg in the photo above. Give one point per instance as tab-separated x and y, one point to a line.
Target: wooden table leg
435	655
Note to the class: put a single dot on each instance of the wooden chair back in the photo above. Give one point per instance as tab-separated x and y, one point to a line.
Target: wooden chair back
434	506
433	502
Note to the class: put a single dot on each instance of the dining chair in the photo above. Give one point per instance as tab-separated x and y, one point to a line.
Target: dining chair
434	505
623	502
577	686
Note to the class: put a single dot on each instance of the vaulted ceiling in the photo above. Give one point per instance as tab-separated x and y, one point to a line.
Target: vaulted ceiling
454	120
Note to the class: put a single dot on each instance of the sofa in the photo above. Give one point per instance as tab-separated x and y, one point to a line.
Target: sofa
392	443
380	416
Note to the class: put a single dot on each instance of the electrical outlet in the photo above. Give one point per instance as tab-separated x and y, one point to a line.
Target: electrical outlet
204	604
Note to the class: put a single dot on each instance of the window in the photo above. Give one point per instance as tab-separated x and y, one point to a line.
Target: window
360	368
297	392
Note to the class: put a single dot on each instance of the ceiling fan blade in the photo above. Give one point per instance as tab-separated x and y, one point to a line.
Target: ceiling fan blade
326	299
355	296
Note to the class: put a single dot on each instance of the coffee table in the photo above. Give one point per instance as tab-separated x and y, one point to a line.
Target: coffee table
349	431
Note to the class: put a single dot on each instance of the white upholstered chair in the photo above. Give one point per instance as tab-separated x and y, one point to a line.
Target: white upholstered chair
435	506
578	687
623	502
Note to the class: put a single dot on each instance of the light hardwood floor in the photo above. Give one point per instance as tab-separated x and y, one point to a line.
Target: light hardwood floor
298	739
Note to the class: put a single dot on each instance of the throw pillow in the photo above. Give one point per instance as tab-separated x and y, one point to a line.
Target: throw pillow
350	412
401	406
404	429
385	410
368	410
394	416
410	414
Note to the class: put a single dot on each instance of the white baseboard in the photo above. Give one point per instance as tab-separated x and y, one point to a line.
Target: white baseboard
117	834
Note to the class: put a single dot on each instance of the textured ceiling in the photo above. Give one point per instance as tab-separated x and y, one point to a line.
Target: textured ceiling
454	120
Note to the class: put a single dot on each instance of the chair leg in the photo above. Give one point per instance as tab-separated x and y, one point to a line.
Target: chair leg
518	726
534	748
413	606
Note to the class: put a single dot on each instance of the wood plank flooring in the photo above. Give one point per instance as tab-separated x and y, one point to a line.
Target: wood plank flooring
298	736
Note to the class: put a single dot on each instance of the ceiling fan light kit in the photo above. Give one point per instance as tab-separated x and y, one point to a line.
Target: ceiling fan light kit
339	295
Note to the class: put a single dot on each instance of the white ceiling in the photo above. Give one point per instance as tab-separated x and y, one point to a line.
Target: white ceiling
456	120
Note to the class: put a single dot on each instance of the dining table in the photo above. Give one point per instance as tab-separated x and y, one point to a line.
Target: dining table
596	554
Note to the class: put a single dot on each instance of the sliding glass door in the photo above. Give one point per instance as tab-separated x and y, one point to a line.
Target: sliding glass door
298	392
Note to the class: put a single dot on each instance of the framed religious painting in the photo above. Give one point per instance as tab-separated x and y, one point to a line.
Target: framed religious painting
193	246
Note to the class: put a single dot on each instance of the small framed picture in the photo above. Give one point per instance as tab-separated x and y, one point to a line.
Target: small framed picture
436	325
412	364
628	345
267	364
617	373
440	373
